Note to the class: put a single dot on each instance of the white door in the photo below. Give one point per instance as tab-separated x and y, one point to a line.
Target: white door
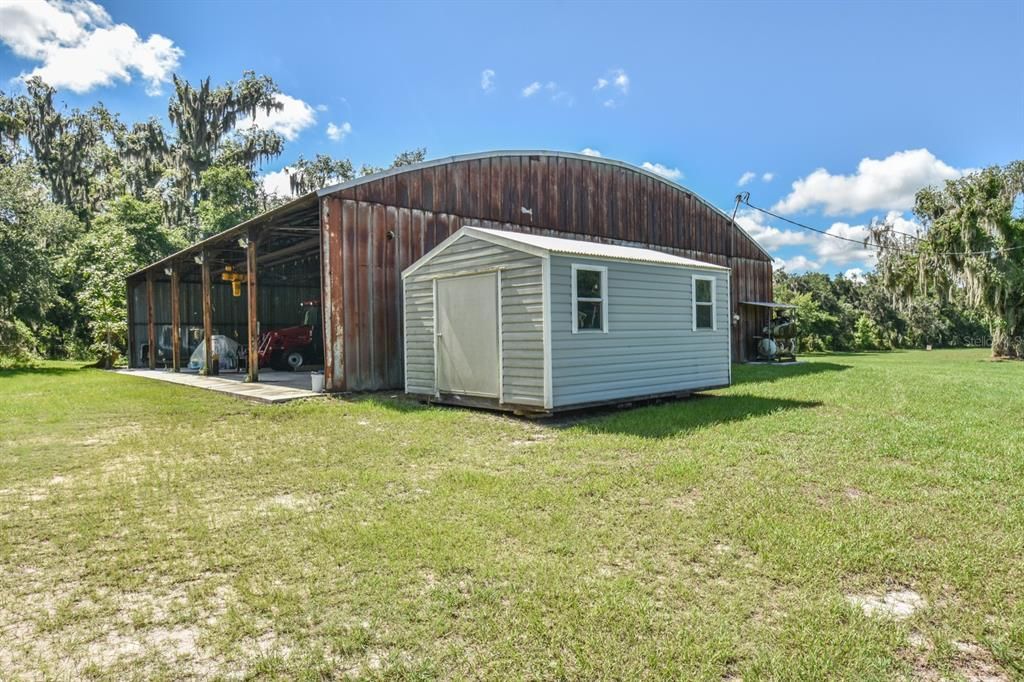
467	335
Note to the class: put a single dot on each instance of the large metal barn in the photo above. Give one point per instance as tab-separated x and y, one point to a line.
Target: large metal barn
342	251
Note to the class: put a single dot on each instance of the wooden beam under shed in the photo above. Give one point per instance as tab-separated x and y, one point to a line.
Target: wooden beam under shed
150	322
253	359
175	317
207	315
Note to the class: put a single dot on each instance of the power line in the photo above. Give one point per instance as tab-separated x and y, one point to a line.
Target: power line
745	199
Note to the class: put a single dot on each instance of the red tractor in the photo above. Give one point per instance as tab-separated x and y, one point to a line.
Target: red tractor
294	348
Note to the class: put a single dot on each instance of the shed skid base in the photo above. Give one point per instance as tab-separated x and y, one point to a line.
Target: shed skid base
535	411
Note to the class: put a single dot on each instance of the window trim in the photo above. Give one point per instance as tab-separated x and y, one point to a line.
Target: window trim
576	267
714	303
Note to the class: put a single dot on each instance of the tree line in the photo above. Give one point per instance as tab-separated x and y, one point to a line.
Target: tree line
86	199
959	282
842	314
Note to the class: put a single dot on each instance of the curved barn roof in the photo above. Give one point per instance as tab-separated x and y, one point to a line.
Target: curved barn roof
458	158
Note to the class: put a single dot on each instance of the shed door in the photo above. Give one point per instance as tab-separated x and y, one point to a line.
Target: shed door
467	335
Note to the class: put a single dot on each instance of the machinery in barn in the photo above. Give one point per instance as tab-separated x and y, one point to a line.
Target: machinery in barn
777	341
294	348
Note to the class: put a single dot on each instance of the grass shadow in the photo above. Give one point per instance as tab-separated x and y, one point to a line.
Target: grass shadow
670	419
395	401
42	371
756	374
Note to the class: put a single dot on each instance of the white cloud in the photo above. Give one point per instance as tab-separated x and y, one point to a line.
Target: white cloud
339	133
620	80
292	119
796	264
770	237
768	177
80	47
663	171
487	80
558	95
904	225
587	151
278	183
746	177
841	251
855	275
886	184
532	89
616	79
818	250
321	107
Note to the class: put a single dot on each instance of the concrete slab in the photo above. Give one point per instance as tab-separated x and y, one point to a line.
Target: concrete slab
273	387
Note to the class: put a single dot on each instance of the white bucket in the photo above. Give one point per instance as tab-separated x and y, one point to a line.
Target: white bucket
317	381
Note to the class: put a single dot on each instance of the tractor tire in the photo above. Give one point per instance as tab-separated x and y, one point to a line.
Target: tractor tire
278	362
295	360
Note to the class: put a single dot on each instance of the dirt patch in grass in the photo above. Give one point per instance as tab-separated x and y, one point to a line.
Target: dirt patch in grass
898	604
685	502
976	663
970	661
111	435
142	631
288	501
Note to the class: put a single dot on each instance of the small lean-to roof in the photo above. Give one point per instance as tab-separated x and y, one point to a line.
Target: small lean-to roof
768	304
540	245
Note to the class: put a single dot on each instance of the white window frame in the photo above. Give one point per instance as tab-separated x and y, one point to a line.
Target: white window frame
576	267
714	303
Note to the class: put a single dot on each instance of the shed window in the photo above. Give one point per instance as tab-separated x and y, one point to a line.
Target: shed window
703	302
589	298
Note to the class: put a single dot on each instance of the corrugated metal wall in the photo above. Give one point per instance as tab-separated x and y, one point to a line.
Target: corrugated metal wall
572	194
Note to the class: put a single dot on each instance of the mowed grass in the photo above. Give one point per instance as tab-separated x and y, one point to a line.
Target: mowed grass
155	531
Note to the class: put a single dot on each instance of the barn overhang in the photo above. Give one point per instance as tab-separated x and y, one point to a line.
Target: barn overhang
234	283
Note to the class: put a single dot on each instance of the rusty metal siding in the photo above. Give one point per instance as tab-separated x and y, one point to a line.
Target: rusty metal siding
572	195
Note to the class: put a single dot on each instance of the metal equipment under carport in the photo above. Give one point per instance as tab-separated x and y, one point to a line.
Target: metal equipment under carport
243	299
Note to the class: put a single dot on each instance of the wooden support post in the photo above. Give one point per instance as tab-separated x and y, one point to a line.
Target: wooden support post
175	317
150	322
253	361
331	290
207	316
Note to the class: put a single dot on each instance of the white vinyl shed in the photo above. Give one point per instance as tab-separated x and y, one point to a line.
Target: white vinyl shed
532	323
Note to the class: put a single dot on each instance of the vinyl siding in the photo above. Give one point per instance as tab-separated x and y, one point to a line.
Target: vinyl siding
650	346
522	340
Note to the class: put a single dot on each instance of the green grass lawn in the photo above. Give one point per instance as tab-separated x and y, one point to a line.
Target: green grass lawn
156	531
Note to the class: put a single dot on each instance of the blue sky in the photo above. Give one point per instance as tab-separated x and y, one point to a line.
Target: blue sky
834	112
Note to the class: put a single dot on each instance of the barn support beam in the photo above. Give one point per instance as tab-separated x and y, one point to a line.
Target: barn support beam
150	322
251	268
207	316
331	276
175	317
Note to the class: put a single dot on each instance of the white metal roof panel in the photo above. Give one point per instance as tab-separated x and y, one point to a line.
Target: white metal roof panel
579	247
